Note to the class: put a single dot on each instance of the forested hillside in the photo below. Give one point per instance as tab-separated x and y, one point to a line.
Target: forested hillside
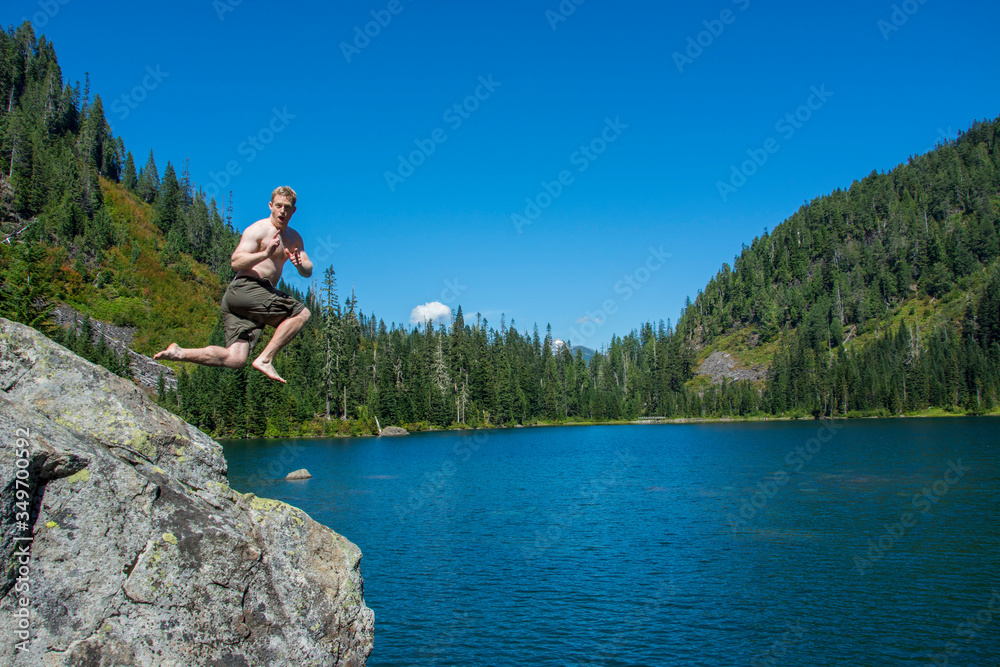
878	299
902	267
80	225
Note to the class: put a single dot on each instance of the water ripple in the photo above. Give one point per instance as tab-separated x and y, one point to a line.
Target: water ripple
663	545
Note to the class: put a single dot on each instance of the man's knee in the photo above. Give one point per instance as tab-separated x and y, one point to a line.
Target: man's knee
238	353
305	314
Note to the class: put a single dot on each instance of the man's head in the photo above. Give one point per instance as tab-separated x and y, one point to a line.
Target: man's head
282	204
284	191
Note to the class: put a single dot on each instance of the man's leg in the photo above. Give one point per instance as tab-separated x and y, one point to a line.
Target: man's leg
283	333
233	356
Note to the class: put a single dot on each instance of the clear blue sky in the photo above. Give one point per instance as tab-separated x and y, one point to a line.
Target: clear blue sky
666	98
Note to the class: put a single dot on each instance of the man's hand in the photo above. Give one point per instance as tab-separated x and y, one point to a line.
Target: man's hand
300	261
254	248
274	245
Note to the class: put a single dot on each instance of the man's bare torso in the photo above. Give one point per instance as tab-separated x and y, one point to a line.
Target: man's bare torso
257	237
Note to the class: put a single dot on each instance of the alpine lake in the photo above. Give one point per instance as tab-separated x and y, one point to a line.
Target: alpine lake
847	542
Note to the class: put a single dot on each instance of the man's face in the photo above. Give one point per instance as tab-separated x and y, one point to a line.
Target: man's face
282	209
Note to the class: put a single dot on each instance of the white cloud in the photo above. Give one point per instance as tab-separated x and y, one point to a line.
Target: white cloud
435	311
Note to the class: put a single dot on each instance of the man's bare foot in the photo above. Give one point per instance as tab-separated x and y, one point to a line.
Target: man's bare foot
172	353
267	369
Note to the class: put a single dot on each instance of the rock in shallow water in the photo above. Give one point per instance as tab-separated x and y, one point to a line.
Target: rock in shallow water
299	474
139	553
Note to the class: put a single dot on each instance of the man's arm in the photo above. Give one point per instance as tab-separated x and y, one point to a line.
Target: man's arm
249	253
298	257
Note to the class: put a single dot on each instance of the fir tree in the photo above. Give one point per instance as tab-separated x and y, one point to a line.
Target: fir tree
148	181
129	178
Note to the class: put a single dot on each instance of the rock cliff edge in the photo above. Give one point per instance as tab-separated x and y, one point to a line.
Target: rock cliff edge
121	538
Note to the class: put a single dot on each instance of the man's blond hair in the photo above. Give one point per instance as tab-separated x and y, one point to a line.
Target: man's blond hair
284	191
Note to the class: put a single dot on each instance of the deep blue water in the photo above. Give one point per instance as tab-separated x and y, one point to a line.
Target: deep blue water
874	542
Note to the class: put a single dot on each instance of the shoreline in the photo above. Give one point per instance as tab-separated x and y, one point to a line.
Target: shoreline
925	414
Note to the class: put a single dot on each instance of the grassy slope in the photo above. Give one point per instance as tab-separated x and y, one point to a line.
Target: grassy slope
165	304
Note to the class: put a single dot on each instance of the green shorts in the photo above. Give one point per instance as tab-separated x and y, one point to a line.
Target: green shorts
250	304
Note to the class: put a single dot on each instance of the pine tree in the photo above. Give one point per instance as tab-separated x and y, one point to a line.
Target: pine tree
129	178
25	295
169	199
148	181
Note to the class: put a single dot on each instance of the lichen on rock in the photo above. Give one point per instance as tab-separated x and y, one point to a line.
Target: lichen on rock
140	552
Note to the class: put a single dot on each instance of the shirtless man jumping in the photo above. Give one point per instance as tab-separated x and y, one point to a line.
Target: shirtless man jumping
251	301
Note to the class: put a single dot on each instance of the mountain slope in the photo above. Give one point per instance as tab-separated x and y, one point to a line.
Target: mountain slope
81	226
923	237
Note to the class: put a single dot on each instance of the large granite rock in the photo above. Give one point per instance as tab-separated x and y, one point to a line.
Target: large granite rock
719	365
140	554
